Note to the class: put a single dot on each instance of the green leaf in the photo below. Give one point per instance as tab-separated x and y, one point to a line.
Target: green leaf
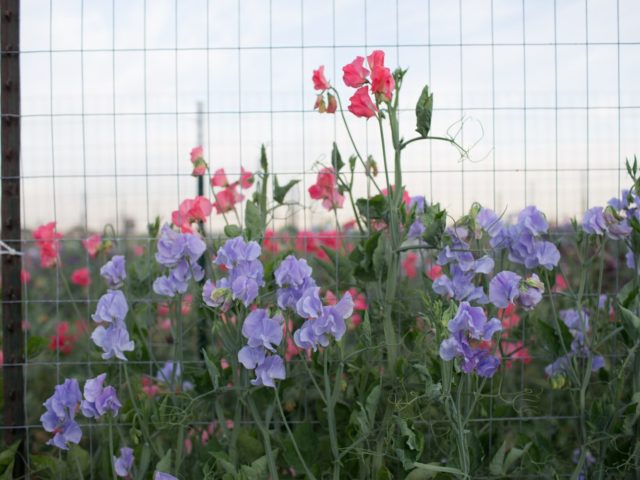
7	458
435	468
213	371
513	456
280	192
374	208
372	404
253	221
224	462
630	317
232	231
352	162
42	463
35	346
164	465
495	467
424	109
336	158
79	458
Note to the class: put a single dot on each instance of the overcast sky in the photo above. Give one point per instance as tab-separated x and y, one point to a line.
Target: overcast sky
110	93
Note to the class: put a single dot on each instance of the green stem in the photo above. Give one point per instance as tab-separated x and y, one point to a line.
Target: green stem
331	418
111	451
273	470
308	472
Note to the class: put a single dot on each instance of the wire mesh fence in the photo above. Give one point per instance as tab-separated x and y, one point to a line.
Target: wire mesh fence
114	95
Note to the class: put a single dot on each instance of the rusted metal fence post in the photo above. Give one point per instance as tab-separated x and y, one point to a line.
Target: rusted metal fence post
12	335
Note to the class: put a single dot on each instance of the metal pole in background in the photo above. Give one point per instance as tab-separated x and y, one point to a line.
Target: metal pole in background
12	335
202	320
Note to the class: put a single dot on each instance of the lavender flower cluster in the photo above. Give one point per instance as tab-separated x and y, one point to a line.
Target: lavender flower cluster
523	240
180	253
61	408
298	291
579	326
613	221
245	274
468	327
463	268
263	334
508	287
111	311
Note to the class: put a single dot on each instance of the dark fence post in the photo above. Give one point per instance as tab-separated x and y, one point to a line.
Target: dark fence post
12	335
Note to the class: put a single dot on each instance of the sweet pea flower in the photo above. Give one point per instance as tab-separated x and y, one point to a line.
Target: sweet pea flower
112	308
326	189
216	295
409	264
376	59
114	271
113	340
319	80
310	306
262	331
355	75
62	341
158	475
25	276
332	104
251	357
190	211
219	178
270	369
504	288
361	104
199	164
382	82
91	244
122	464
593	221
59	416
99	400
48	242
81	277
246	178
226	199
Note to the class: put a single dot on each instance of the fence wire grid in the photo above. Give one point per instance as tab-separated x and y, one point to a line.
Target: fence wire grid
115	94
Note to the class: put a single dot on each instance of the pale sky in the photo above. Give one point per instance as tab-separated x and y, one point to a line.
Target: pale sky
110	93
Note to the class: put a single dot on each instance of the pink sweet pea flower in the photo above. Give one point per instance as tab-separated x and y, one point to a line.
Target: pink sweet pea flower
326	189
185	307
382	82
361	104
191	210
92	244
219	178
62	341
48	242
81	277
196	153
246	178
319	80
410	263
226	199
148	387
434	272
199	164
359	299
355	75
138	250
306	242
330	298
269	243
376	59
406	198
514	351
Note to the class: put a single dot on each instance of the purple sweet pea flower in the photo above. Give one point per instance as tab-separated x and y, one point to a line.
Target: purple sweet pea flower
251	357
489	222
113	340
114	271
163	476
288	296
270	369
245	281
292	272
547	255
616	229
416	230
504	288
60	412
532	220
112	308
457	253
262	331
419	202
593	221
530	293
171	374
174	247
459	287
98	400
122	464
310	305
305	338
236	250
177	282
216	295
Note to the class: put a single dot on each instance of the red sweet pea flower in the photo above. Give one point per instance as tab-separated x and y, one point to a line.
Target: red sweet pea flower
91	244
355	75
361	104
376	59
196	210
307	242
319	80
48	241
81	277
246	178
61	340
434	272
514	351
219	178
326	189
270	242
25	276
185	307
226	199
359	299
